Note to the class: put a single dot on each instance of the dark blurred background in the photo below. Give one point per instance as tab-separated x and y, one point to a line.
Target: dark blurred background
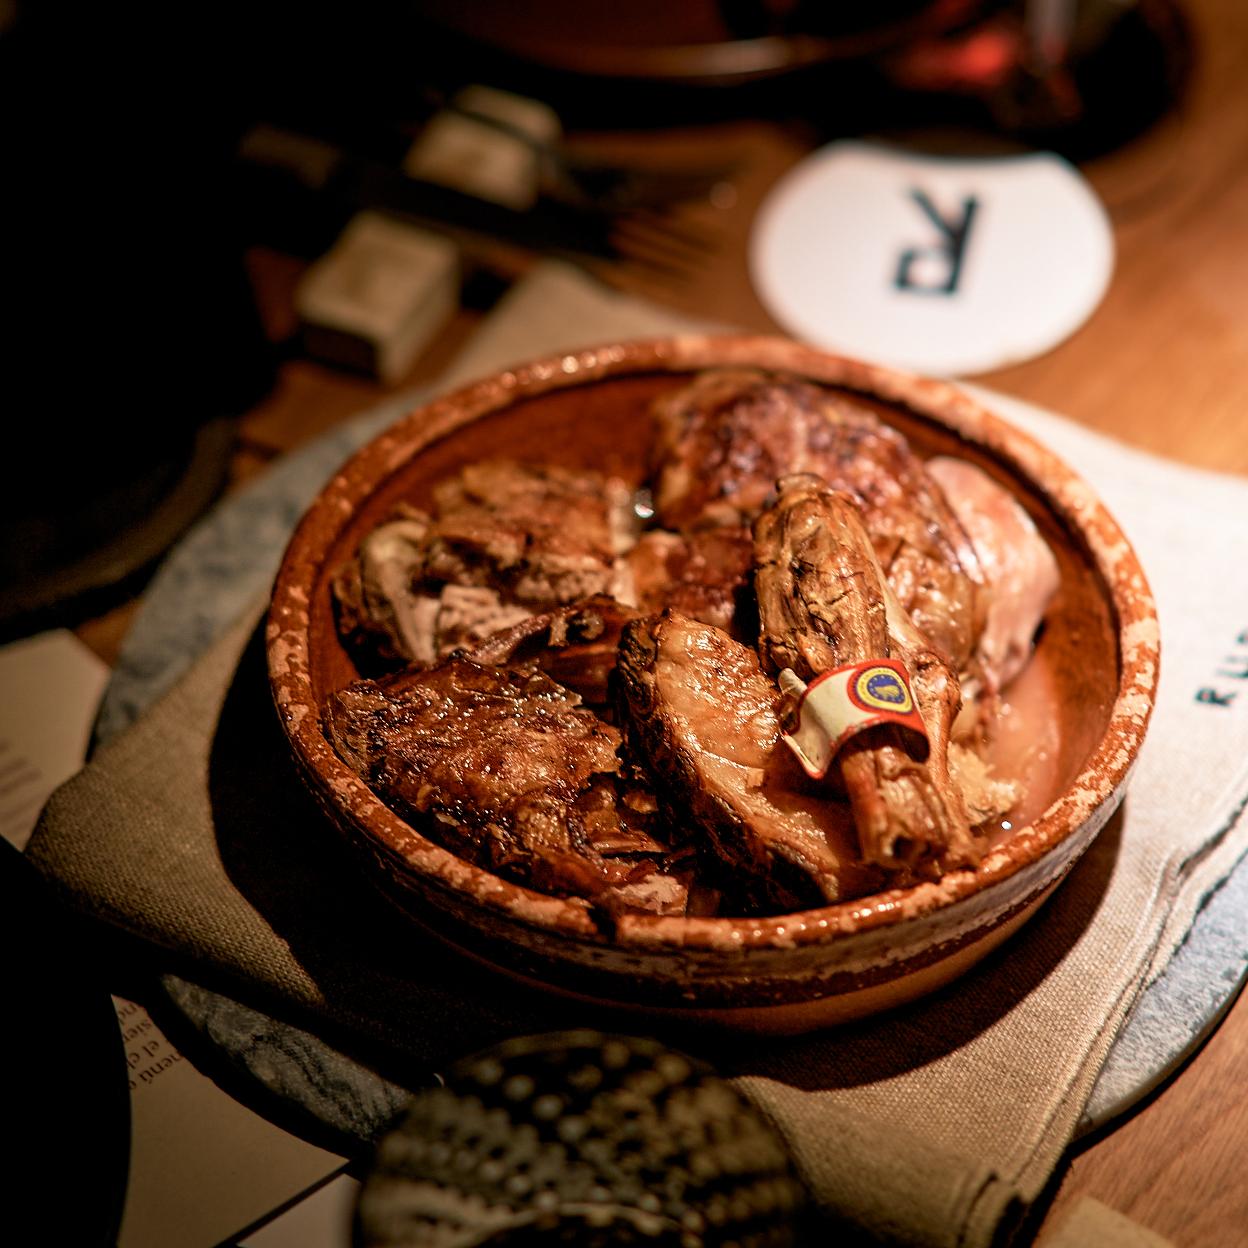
134	340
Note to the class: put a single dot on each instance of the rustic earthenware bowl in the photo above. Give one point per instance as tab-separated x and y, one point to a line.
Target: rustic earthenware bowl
1096	666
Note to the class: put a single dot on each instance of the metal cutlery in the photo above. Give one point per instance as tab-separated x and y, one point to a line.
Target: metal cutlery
650	238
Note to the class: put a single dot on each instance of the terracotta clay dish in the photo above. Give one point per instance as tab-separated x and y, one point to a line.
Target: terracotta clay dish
1079	711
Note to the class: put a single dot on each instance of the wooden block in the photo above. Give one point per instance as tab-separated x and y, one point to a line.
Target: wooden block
483	159
379	296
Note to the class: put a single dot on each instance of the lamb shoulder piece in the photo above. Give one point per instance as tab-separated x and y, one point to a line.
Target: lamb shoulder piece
1019	569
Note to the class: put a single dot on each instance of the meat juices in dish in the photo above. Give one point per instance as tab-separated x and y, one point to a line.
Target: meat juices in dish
823	602
505	768
799	532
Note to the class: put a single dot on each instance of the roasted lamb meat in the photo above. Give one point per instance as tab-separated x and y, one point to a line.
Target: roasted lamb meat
726	438
379	609
706	573
544	535
507	769
701	714
504	540
796	541
824	603
1019	570
575	645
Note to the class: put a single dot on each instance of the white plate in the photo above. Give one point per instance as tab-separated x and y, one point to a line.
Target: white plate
931	264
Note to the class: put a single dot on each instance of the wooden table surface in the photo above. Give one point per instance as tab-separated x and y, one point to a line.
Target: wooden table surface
1162	365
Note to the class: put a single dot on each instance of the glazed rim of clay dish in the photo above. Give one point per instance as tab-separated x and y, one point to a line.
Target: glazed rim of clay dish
891	927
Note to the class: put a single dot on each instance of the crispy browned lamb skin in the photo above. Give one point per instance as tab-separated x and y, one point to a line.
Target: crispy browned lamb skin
701	714
504	540
726	438
505	768
823	602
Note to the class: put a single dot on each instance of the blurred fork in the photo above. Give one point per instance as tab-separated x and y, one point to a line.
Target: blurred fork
657	241
673	248
606	186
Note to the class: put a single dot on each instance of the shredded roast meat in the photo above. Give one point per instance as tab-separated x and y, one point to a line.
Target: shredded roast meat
503	541
379	610
706	573
542	534
574	645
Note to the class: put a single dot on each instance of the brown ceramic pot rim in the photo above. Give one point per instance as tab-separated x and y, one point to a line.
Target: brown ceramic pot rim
1100	781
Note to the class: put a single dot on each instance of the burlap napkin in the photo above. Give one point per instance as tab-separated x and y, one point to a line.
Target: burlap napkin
937	1124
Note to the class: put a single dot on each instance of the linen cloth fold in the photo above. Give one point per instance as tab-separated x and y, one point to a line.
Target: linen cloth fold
937	1124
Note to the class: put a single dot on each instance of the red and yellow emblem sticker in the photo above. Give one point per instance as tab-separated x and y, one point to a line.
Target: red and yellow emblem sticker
842	702
881	687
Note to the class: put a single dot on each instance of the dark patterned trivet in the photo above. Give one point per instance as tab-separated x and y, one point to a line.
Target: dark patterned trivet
580	1138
